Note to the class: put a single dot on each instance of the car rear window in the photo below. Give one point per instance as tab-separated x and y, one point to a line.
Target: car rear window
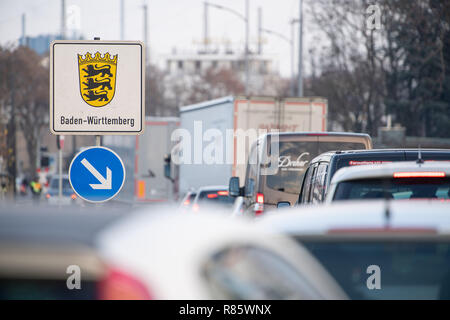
294	159
396	188
219	197
245	272
407	269
55	184
187	201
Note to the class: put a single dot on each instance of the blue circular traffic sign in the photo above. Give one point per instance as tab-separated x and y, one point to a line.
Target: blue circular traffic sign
97	174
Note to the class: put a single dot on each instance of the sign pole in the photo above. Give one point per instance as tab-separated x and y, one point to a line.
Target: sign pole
58	144
60	174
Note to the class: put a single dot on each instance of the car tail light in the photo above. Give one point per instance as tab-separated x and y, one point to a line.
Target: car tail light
118	285
73	196
195	207
186	202
222	193
419	174
47	196
260	198
259	206
212	195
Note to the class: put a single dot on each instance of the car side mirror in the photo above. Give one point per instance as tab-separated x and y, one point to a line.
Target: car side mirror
233	187
283	204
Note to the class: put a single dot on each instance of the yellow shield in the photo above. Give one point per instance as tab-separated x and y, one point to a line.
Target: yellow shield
97	78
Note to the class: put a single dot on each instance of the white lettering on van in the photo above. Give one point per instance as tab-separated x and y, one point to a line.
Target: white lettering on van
285	161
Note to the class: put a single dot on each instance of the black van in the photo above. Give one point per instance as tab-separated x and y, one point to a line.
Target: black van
322	168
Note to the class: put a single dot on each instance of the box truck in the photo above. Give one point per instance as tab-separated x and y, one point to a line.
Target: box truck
144	160
216	135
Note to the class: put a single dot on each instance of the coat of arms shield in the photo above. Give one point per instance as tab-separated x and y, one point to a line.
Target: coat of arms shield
97	78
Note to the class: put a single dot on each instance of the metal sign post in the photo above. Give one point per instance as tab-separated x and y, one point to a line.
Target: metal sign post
60	145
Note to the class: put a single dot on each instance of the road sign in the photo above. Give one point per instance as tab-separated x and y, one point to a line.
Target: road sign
97	174
97	87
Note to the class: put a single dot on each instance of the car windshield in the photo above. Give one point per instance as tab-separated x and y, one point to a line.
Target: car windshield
216	197
294	159
403	188
406	270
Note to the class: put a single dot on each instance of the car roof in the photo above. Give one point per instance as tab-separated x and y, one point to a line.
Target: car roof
319	133
387	170
316	133
56	176
326	156
211	188
361	215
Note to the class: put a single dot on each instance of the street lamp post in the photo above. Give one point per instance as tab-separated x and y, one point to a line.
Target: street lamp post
246	20
291	43
293	22
300	51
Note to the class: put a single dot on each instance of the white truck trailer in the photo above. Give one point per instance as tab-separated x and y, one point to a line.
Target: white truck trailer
208	126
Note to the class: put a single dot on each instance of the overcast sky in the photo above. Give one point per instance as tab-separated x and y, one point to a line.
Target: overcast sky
171	23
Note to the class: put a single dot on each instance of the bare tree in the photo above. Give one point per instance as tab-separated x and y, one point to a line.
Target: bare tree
24	98
156	103
215	83
399	69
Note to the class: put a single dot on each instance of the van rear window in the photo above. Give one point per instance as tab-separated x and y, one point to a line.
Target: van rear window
396	188
294	159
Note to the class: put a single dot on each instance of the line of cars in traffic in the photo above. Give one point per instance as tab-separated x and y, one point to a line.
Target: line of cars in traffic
389	240
153	253
377	220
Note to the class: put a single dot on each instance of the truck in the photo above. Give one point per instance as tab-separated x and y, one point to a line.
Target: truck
145	160
216	135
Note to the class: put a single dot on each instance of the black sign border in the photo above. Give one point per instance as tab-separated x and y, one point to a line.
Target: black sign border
53	89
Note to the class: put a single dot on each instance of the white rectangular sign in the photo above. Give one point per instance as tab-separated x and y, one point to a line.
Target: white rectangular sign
97	87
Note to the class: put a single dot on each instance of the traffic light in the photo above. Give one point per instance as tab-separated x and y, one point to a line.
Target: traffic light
60	142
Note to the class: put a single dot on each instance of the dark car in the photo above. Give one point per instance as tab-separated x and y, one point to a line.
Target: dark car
322	168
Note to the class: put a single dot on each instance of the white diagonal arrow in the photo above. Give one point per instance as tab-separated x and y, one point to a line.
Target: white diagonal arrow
105	184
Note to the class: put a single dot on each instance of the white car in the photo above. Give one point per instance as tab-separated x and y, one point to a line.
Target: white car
399	180
376	249
204	256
